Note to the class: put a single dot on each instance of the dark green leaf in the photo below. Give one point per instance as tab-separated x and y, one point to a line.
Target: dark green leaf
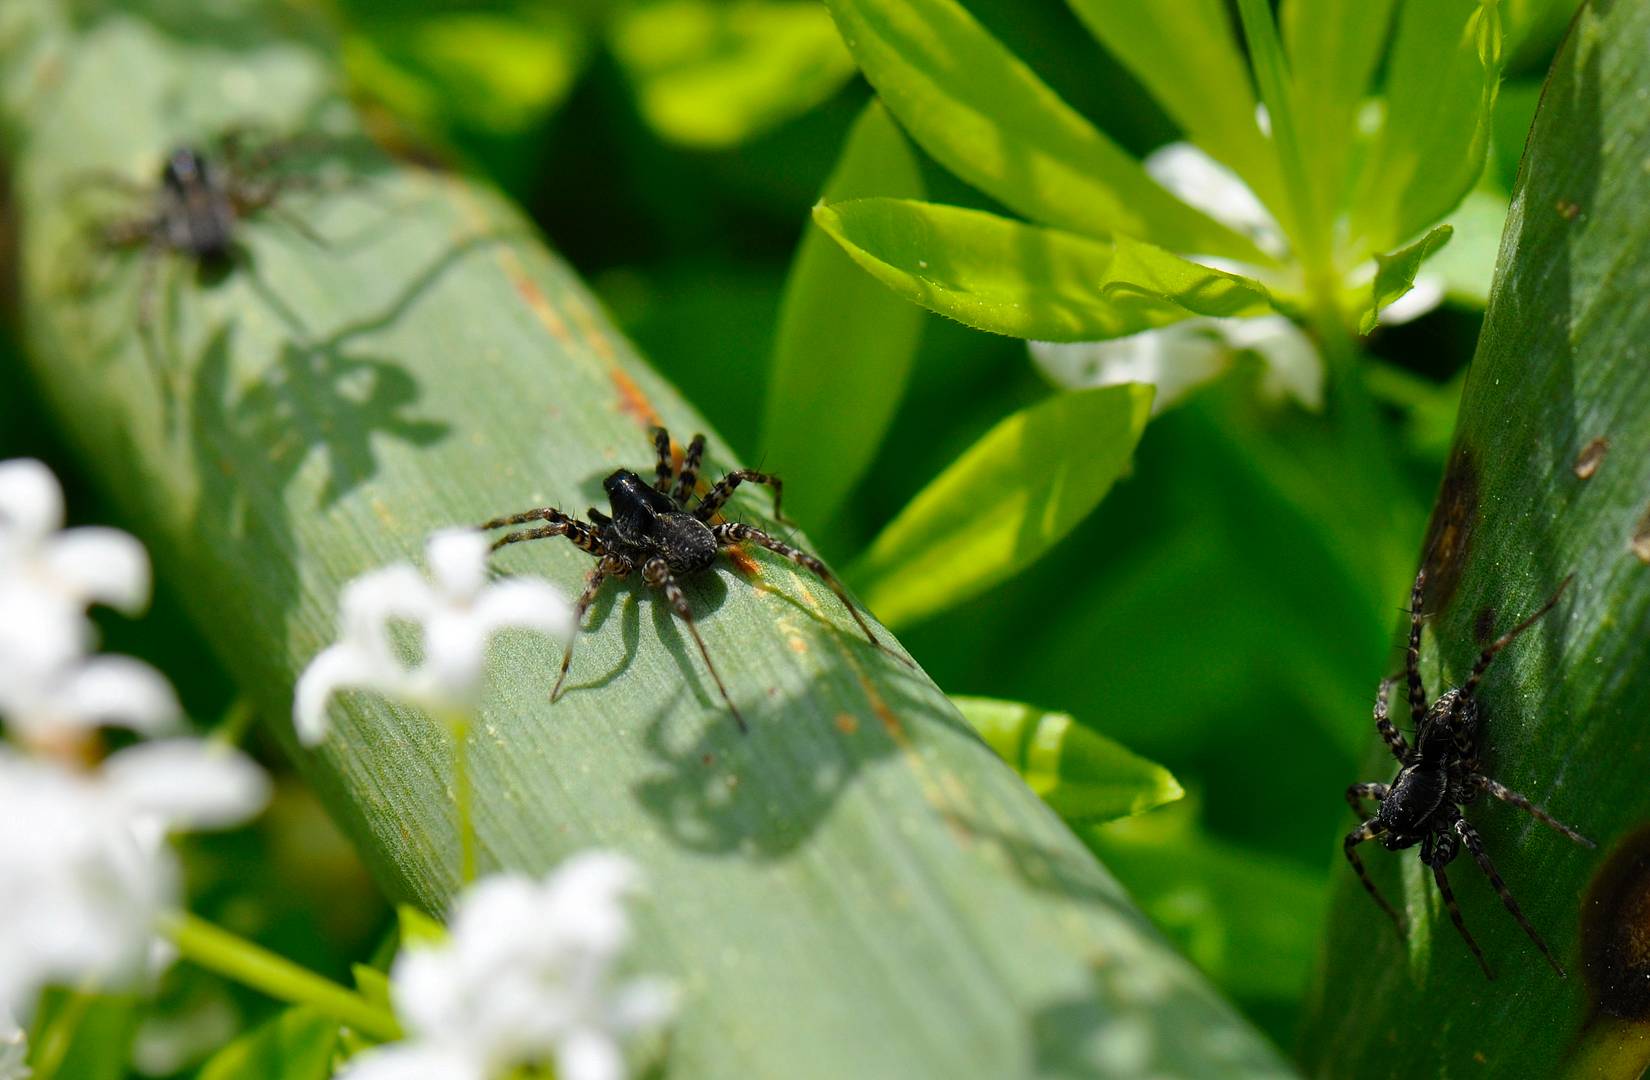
997	274
845	343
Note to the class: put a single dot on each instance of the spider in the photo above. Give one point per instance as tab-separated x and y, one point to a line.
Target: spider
653	529
1437	776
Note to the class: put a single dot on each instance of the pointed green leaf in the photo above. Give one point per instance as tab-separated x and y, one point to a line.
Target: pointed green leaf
295	1044
1549	476
1007	500
1185	54
845	343
374	985
1084	777
1442	76
418	928
986	116
1395	273
1009	278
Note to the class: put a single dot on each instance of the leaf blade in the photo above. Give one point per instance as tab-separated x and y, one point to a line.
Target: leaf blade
1395	273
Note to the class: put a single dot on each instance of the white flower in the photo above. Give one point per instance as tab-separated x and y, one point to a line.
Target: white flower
1183	356
49	576
84	871
457	613
14	1048
47	705
1200	181
524	977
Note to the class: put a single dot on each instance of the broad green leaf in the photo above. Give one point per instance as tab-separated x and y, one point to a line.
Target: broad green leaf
983	114
997	274
320	409
1007	500
1084	777
1186	56
1333	47
1441	81
845	344
294	1044
1395	273
1549	476
712	74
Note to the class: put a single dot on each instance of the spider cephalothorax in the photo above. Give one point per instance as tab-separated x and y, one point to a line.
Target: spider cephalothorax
1437	777
652	528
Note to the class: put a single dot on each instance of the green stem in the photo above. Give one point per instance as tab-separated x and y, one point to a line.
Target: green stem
233	957
458	723
52	1046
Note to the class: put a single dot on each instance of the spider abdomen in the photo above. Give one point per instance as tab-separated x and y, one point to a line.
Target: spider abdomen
686	543
1415	796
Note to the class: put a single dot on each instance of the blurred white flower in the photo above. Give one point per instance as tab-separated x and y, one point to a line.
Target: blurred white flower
49	575
525	976
14	1048
1183	356
456	612
84	869
1200	181
45	706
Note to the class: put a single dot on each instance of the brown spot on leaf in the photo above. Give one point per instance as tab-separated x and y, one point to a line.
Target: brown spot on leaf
1483	625
1615	930
1567	210
846	723
1641	537
1587	462
632	402
1449	532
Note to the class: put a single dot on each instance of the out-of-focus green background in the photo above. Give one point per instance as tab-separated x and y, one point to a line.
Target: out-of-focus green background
1226	612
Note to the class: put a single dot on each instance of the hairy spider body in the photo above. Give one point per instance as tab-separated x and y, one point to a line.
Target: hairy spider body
1439	775
652	529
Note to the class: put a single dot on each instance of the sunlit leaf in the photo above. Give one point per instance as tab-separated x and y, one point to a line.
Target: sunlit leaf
1441	82
1395	273
418	928
987	117
1000	275
1082	775
1007	500
845	343
295	1044
1185	54
1549	476
711	74
374	985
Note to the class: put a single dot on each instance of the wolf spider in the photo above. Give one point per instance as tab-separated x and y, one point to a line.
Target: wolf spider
652	528
1437	776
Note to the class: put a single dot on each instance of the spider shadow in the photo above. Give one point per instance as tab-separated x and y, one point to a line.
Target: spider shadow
706	594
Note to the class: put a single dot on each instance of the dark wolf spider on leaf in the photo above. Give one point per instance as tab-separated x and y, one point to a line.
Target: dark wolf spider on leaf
653	529
1437	776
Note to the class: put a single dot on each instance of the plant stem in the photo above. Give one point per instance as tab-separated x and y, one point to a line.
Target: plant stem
234	957
458	723
53	1044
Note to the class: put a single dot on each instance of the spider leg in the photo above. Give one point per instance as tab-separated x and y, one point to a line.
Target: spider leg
1507	795
723	491
657	574
1484	658
1395	740
1455	917
688	478
1359	792
610	566
1475	845
1412	660
662	469
1369	830
584	537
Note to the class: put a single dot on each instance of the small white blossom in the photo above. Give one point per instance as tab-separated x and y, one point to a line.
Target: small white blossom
524	977
1183	356
1200	181
456	612
46	705
14	1048
49	575
84	870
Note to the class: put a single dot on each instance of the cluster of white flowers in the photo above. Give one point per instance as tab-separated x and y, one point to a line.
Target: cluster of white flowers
524	977
456	613
84	869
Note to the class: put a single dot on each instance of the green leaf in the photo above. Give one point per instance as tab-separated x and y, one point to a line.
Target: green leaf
295	1044
845	345
1531	496
1467	264
418	928
374	985
1395	273
1007	500
79	1035
1442	76
1186	56
317	410
999	275
983	114
1082	775
711	75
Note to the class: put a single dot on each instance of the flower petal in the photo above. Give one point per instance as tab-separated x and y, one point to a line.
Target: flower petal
334	668
1201	181
31	500
105	565
458	562
119	691
589	1054
414	1061
187	783
525	602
